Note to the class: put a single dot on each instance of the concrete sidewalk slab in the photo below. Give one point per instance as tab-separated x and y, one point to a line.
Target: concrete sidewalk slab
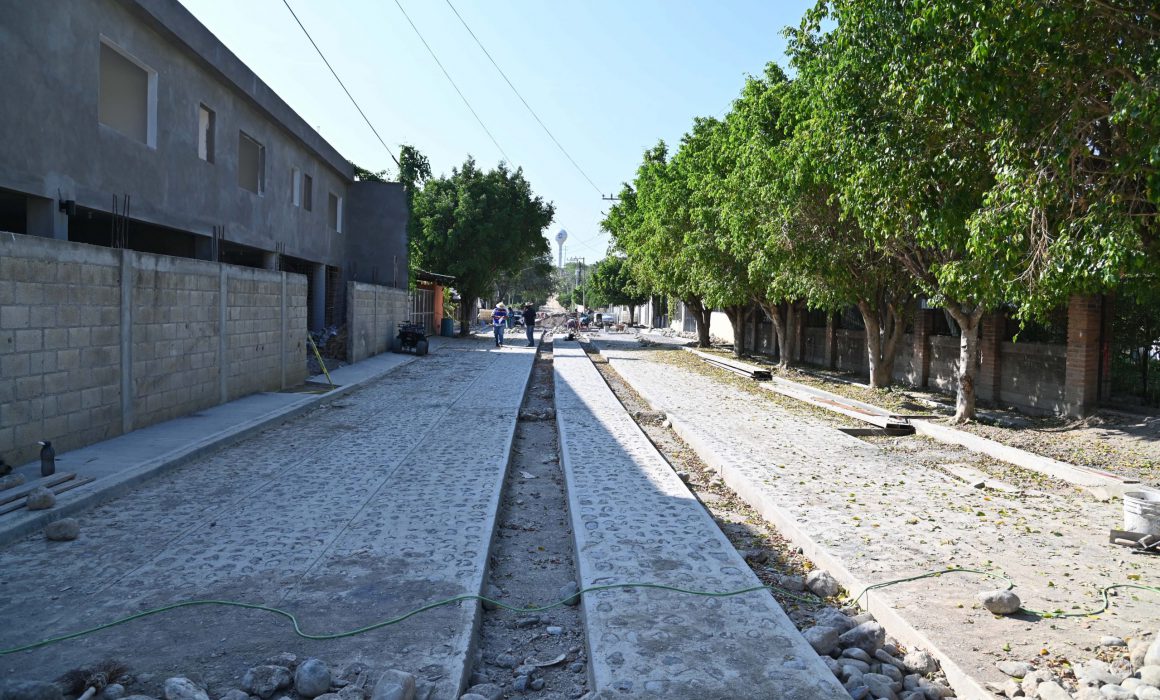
635	521
379	505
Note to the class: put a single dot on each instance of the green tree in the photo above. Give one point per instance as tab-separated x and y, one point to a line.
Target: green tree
477	226
612	284
535	283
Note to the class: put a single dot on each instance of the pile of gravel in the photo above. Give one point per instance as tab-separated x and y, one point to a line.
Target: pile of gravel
1134	675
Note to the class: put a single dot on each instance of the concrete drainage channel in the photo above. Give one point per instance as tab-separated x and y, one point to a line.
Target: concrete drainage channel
868	665
532	564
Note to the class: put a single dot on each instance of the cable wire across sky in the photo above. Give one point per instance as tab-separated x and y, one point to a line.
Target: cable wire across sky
340	83
448	76
517	92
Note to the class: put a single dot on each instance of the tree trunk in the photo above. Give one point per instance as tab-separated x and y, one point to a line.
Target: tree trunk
782	316
702	316
736	316
883	330
465	320
968	358
631	315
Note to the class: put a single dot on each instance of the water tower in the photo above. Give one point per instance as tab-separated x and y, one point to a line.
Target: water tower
560	238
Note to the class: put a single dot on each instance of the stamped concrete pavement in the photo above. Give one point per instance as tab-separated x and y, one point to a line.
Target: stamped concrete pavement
358	511
635	521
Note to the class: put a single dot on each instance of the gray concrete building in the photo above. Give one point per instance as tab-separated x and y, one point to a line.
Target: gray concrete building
126	123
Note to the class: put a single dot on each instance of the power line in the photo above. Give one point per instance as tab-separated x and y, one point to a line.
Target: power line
343	86
517	92
448	76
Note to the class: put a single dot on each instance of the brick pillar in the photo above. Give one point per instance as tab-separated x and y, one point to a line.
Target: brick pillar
1081	386
990	342
830	351
923	323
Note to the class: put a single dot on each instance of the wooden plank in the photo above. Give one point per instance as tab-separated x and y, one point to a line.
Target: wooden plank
66	485
742	368
9	495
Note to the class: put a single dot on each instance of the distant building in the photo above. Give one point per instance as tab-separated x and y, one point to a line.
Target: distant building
126	123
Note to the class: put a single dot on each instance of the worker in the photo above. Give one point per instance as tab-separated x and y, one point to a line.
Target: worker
499	322
530	323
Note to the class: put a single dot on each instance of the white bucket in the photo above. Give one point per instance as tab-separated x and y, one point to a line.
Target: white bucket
1142	512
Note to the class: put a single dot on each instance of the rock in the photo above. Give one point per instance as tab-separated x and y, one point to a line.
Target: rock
11	481
910	682
919	662
861	617
1151	675
286	659
1088	694
892	673
489	691
1110	641
861	666
576	667
823	585
834	618
183	689
856	653
1152	656
569	593
868	637
235	694
1015	669
1115	692
1137	650
822	639
63	530
40	498
394	685
29	690
1031	681
325	696
859	692
494	593
935	690
890	649
885	658
794	584
506	661
880	686
353	672
471	696
1147	692
756	556
1099	672
525	622
1050	690
537	684
520	684
912	695
1011	689
352	692
1132	683
312	678
264	681
832	665
554	630
113	691
524	670
1000	602
142	697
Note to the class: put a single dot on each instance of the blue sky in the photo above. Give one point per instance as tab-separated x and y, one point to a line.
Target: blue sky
608	78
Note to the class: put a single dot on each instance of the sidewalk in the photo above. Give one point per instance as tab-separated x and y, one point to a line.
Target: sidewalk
118	464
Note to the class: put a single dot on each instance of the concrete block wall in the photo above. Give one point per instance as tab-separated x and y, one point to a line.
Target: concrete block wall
95	342
1033	376
944	362
373	314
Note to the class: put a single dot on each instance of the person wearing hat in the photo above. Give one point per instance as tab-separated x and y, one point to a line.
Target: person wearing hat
530	323
499	322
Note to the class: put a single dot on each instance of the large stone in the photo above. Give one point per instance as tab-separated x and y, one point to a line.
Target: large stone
822	584
1115	692
490	691
1152	656
1151	675
1050	690
180	688
113	691
1031	681
1099	672
919	662
830	617
868	636
352	692
40	498
312	678
1147	692
880	686
394	685
491	592
569	593
11	481
287	659
235	694
29	690
1015	669
822	639
264	681
1001	602
858	654
63	530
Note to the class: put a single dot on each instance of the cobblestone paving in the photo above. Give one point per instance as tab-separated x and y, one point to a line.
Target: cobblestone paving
355	512
634	520
886	518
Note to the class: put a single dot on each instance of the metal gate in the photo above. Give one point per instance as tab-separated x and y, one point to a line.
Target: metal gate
423	309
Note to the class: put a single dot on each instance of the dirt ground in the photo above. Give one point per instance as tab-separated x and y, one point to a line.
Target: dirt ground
1126	444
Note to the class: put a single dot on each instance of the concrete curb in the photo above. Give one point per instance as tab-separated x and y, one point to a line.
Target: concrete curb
895	625
115	485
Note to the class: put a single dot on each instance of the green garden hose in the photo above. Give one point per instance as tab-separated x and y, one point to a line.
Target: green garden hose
591	589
